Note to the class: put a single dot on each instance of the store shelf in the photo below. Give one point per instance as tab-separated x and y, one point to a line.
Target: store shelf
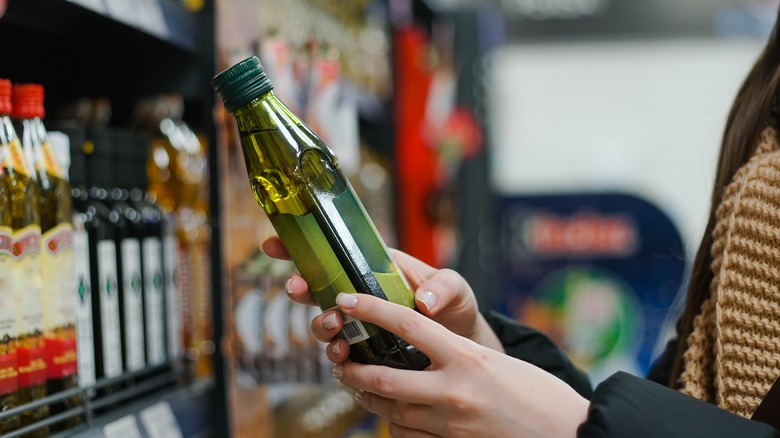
115	48
124	50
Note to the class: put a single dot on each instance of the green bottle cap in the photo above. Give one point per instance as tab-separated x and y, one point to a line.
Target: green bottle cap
242	83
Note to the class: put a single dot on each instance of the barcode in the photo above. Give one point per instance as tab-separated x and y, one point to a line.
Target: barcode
353	330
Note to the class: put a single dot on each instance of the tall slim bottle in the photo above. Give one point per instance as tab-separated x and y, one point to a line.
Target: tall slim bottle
71	156
100	223
296	179
130	177
55	206
128	227
9	382
27	282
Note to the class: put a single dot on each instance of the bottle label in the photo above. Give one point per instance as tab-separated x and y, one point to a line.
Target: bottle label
132	288
28	288
154	300
109	308
59	307
15	159
354	331
9	381
49	161
174	299
85	342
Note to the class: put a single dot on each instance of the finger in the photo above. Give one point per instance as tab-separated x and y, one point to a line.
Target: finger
327	325
419	387
410	416
273	247
440	344
398	431
445	289
416	271
338	351
298	290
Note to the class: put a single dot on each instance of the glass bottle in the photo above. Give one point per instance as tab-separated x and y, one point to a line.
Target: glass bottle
28	282
130	177
57	268
126	223
9	383
100	222
296	179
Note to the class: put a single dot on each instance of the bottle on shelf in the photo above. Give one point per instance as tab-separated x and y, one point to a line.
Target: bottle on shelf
130	178
9	384
74	162
296	179
176	170
126	222
27	281
100	222
56	256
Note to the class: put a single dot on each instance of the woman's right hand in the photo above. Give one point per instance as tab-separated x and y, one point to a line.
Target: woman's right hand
441	294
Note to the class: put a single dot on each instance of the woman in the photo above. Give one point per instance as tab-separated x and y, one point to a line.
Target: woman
492	377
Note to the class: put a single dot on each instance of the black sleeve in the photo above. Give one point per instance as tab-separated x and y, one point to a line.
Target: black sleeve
529	345
634	407
661	370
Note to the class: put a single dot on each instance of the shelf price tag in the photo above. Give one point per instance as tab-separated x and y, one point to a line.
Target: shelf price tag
151	17
125	427
123	10
159	421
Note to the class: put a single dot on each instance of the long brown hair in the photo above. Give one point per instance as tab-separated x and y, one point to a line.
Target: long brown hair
750	114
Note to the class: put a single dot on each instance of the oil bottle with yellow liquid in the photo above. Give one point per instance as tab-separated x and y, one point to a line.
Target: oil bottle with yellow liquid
56	256
296	179
9	380
27	281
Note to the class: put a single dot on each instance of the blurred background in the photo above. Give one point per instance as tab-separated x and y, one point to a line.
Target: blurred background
559	154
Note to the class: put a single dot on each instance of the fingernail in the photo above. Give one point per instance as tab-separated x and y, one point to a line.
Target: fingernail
335	348
428	298
346	300
337	372
330	322
287	287
360	396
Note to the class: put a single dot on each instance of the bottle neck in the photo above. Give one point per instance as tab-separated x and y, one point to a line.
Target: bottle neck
265	112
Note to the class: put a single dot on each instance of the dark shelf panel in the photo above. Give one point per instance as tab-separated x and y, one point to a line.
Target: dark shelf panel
76	51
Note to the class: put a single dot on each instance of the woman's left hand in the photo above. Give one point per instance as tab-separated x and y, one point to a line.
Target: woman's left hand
469	390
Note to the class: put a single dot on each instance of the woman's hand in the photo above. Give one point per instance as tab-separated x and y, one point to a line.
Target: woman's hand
441	294
468	390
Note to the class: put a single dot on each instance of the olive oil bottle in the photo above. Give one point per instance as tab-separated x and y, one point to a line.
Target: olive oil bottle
100	223
27	281
296	179
9	382
57	264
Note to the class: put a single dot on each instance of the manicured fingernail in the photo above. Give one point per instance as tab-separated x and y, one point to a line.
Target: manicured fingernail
428	298
360	396
287	287
346	300
329	322
337	372
335	348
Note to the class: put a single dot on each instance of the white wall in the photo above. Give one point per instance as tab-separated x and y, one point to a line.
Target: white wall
643	117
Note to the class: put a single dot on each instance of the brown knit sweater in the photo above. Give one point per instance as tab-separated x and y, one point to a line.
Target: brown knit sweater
733	354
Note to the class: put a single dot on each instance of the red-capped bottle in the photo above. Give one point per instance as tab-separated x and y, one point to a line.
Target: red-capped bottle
9	383
57	260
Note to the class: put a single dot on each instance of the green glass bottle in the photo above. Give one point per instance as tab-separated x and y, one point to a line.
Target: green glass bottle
296	179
